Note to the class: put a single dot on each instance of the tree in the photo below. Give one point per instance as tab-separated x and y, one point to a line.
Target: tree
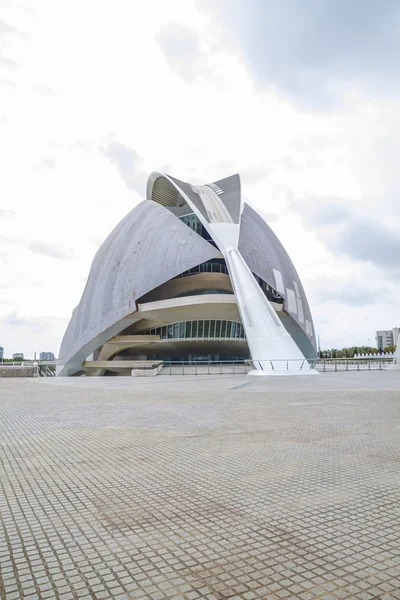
351	351
389	349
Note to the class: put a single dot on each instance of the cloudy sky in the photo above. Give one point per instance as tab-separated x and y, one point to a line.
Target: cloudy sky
300	98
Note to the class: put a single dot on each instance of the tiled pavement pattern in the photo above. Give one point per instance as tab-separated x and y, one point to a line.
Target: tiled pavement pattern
114	494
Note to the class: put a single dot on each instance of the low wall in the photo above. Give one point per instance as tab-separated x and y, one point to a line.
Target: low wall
147	372
18	371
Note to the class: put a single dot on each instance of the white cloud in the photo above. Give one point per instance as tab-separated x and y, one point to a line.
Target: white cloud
52	250
182	48
80	126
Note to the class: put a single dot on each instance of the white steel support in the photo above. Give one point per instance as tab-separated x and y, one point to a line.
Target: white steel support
272	349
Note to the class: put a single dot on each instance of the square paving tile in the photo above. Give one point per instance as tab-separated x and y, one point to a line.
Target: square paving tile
109	493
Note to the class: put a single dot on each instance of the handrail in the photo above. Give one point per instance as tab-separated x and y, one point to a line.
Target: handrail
240	367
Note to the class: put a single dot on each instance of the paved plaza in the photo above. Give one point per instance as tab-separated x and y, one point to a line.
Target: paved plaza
191	488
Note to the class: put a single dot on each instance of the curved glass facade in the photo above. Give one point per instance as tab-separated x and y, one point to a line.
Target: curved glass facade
269	291
209	329
211	266
192	221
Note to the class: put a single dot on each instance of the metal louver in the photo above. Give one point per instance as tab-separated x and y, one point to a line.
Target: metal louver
165	193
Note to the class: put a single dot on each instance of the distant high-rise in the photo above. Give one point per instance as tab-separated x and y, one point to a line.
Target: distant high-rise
384	338
18	355
46	356
1	352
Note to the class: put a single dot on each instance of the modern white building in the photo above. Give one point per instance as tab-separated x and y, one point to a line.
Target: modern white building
190	274
386	337
18	356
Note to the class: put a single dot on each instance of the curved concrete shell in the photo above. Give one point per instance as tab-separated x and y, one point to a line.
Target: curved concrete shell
188	247
267	258
147	248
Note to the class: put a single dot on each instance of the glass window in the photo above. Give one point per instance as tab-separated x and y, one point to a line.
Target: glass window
223	329
206	333
217	329
200	329
212	329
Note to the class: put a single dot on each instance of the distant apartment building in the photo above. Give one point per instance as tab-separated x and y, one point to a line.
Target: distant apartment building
387	337
46	356
1	353
18	356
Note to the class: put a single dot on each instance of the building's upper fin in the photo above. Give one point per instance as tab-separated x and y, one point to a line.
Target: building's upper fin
229	191
172	193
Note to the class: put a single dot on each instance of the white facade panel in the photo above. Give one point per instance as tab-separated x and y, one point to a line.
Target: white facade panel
291	301
279	281
300	310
